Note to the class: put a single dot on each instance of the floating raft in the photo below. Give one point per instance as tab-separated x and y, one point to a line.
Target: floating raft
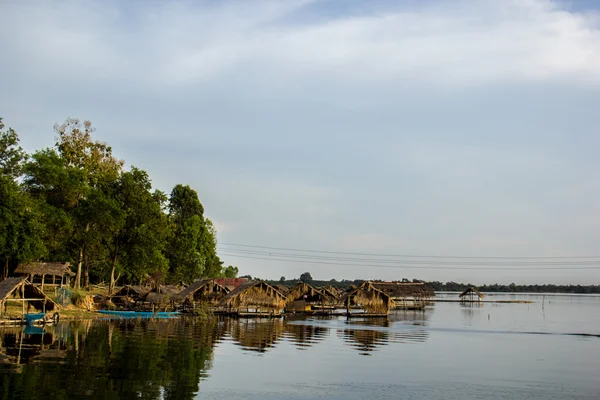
140	314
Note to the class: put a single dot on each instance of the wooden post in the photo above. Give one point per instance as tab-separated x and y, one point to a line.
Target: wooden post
23	297
43	278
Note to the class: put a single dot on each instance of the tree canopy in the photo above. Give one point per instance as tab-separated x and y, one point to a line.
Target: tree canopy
76	202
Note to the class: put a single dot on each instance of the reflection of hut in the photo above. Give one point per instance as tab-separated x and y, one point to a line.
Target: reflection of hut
21	290
254	298
257	335
128	295
304	297
406	294
471	294
205	291
371	300
304	335
59	272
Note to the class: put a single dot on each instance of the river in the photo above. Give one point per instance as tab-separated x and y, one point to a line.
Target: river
544	350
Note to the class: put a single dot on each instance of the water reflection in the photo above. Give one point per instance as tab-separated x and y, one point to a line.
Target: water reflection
368	335
108	359
304	335
256	334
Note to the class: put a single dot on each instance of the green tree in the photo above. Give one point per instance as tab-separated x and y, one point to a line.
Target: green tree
192	246
306	277
21	228
71	179
137	245
231	272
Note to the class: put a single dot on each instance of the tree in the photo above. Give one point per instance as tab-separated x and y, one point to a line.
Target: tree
306	277
230	272
21	226
71	179
282	279
192	246
137	245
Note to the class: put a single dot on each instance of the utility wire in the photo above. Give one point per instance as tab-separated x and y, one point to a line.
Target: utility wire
234	245
410	266
309	257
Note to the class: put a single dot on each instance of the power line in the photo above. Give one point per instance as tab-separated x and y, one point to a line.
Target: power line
409	255
419	261
411	266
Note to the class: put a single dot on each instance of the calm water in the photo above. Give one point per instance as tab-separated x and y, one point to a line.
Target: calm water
450	351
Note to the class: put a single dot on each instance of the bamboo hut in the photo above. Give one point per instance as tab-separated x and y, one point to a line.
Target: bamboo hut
371	300
59	272
472	295
161	298
304	297
129	295
254	298
407	295
203	291
19	289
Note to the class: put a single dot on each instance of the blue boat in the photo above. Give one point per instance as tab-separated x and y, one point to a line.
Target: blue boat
140	314
31	318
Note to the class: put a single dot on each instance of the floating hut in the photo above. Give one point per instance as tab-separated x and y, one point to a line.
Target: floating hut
304	297
371	300
407	295
129	295
203	291
471	294
19	289
162	297
59	272
254	298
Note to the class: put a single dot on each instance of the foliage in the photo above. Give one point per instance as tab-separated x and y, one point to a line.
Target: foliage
306	277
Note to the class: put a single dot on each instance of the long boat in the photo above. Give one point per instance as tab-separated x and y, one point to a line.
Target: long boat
140	314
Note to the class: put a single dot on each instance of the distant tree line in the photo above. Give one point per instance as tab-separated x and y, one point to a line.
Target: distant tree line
76	202
446	286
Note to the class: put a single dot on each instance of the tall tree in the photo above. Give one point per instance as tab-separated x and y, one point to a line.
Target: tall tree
71	178
192	245
137	246
21	228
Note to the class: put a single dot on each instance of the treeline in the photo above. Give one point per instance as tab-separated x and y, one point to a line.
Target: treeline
458	287
444	286
76	202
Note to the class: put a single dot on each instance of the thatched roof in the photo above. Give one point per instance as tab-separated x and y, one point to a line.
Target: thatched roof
255	293
371	299
10	287
331	291
45	268
207	285
132	291
231	283
304	291
282	288
471	290
404	289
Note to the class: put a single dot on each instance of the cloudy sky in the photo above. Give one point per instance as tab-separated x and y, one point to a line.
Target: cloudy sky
439	128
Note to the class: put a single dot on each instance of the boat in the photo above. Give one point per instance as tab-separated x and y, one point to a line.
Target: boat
140	314
31	318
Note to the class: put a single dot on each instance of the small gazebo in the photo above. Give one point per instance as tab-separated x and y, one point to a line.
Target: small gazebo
60	272
471	295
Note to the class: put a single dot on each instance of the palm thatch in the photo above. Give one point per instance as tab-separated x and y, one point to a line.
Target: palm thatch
471	293
205	290
309	295
404	290
20	288
45	268
370	299
256	296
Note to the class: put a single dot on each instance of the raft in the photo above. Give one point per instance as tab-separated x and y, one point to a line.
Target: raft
140	314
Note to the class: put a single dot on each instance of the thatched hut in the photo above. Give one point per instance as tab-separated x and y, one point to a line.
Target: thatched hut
254	298
407	294
203	290
471	294
129	295
304	297
371	300
161	298
59	272
19	289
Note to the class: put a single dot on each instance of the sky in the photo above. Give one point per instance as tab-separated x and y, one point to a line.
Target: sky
439	128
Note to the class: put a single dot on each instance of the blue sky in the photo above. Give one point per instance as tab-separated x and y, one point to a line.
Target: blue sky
464	128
